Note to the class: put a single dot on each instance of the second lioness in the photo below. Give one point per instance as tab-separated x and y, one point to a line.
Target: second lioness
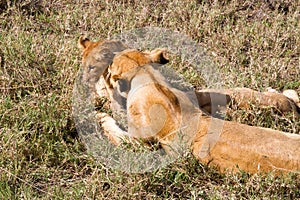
157	111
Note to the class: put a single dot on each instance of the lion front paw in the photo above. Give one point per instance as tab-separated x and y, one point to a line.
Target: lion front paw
110	128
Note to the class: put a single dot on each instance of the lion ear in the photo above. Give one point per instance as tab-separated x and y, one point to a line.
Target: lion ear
83	43
159	56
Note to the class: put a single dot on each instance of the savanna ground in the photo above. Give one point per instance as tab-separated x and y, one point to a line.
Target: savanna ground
254	43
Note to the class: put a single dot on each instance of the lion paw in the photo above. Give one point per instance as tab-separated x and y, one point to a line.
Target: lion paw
110	128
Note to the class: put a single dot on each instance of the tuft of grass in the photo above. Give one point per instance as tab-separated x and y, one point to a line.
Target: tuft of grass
265	117
255	45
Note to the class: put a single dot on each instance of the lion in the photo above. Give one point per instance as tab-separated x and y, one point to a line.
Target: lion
158	112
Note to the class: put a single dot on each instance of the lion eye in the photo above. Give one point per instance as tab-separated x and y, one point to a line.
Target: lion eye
115	78
91	67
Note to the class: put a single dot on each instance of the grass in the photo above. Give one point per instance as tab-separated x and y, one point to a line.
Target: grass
255	45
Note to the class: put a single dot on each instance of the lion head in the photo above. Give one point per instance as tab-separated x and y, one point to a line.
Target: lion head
97	56
131	59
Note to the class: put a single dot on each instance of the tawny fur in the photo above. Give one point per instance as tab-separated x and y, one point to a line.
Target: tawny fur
156	107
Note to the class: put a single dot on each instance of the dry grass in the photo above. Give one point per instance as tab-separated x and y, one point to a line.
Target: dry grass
255	44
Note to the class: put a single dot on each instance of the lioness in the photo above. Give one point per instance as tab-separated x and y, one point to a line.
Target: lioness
157	111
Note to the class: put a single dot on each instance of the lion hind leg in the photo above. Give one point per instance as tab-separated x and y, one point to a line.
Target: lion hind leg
245	97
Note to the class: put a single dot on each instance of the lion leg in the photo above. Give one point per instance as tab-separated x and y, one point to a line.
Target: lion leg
111	129
210	100
235	146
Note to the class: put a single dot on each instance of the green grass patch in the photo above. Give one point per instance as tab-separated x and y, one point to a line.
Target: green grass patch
255	45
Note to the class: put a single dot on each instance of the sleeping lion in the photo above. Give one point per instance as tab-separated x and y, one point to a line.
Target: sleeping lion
158	112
